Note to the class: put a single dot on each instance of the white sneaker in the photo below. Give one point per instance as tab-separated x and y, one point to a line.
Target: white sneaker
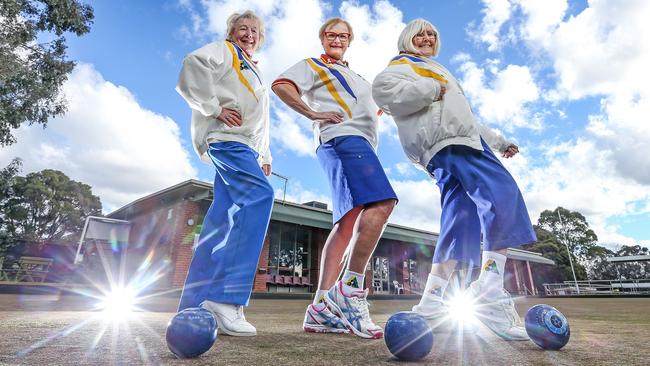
319	319
497	311
433	309
439	315
351	306
230	319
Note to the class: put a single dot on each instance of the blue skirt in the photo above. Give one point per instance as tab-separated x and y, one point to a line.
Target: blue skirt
478	196
356	177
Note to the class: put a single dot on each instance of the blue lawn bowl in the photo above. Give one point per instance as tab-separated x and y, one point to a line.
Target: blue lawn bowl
408	336
547	327
191	332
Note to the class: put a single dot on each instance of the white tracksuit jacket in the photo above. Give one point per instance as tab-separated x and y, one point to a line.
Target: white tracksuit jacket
407	88
220	75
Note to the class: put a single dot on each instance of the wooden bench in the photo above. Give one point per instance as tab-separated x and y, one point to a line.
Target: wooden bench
33	269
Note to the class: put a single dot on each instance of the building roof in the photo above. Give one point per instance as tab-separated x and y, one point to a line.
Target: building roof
188	190
284	211
525	255
295	213
321	218
629	258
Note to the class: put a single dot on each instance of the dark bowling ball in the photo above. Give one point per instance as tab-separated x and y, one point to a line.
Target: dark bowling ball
408	336
547	327
191	332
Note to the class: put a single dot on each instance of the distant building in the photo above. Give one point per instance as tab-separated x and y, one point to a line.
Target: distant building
165	226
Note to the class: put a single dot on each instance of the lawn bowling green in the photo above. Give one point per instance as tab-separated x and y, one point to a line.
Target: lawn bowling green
49	330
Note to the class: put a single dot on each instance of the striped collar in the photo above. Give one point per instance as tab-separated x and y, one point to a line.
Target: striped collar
410	56
243	51
331	60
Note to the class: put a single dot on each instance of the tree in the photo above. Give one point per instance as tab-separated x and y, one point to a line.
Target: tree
598	267
572	229
32	73
628	270
550	247
6	177
45	206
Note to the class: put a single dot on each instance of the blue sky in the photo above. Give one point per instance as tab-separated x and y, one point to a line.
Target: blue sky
566	80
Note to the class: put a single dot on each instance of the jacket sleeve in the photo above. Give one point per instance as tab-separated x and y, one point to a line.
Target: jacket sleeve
266	157
399	94
197	83
495	140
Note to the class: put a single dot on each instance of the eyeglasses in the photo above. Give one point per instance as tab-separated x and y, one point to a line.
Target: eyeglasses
344	37
427	35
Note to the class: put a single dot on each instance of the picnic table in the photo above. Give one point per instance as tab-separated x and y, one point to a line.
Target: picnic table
26	269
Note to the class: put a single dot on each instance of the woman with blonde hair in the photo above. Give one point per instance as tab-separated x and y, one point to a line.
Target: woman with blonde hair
344	116
230	130
439	134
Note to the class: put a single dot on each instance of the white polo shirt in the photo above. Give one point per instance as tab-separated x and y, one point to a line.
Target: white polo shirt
327	85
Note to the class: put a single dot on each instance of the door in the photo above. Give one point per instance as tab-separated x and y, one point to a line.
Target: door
380	275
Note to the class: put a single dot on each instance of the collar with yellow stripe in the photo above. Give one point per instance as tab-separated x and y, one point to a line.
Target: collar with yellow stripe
241	61
323	70
413	62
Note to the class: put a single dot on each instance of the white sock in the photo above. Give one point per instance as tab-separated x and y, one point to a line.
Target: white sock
353	279
320	294
435	286
493	267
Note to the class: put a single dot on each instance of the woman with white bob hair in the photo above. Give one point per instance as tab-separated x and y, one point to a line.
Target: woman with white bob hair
439	134
230	130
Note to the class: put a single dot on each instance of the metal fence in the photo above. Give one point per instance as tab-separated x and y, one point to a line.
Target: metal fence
599	287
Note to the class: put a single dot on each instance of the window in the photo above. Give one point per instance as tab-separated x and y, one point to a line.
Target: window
289	250
380	271
414	279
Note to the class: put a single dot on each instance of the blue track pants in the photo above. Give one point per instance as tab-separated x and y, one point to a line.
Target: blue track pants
224	263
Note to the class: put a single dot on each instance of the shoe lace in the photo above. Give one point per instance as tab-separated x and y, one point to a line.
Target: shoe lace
509	310
361	304
240	312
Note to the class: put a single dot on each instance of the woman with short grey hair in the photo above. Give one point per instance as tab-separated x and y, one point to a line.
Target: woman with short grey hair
230	130
440	135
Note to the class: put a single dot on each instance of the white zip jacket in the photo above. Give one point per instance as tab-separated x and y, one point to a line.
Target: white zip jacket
407	88
220	75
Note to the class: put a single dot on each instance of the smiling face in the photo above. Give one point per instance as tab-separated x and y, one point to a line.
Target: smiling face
246	35
425	41
333	45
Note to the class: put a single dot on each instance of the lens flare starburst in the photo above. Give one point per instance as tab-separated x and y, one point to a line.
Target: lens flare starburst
114	302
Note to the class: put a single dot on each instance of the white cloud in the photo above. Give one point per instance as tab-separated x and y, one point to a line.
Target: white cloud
419	204
405	169
542	19
376	31
291	132
298	194
387	127
497	12
597	52
577	175
106	140
502	96
622	129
